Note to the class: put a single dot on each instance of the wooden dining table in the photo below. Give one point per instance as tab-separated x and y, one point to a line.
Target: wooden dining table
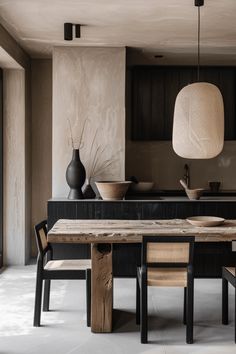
102	234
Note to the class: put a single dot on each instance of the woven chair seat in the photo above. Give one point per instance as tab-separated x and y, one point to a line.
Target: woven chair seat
68	264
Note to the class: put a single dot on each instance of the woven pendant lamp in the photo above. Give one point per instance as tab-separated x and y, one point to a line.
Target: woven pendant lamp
198	128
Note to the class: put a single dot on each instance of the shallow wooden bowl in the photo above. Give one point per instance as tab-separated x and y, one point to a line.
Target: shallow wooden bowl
206	221
194	194
113	190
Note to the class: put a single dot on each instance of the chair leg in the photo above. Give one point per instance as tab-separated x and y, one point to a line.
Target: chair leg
190	306
184	310
38	299
143	308
46	295
137	302
88	296
225	305
235	314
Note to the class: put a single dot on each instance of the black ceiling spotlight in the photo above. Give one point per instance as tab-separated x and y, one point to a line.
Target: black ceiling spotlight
77	31
68	31
199	2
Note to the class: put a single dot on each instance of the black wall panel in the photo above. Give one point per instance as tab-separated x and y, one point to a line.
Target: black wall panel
154	90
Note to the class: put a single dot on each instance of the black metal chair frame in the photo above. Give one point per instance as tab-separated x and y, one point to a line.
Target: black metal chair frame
141	285
228	277
45	255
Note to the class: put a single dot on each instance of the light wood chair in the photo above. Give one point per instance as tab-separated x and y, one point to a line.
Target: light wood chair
48	269
167	262
228	276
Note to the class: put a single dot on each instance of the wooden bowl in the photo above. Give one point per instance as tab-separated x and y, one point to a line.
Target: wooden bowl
113	190
205	221
194	194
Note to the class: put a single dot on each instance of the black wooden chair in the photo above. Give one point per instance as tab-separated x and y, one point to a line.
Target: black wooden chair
48	269
167	261
228	276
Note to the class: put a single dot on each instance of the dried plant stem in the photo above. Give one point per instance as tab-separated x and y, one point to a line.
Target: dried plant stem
90	165
95	161
71	136
103	167
80	145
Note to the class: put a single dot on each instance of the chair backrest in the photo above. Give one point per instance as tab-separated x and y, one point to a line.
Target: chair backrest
41	237
167	251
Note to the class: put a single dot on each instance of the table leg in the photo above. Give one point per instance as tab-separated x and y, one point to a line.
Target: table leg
102	288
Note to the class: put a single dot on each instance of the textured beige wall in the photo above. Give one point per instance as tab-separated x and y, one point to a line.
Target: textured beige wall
41	84
28	176
16	150
88	84
14	161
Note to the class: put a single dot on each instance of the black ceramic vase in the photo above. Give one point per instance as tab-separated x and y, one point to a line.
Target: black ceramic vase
75	176
88	191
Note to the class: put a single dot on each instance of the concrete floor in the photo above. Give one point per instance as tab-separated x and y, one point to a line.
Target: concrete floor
64	330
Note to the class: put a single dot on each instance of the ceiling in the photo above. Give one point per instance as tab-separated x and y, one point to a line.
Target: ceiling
167	27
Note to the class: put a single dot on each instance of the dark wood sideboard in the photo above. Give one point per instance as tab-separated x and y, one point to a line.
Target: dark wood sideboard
209	256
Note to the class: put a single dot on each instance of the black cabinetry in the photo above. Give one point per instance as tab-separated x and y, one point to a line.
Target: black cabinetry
209	256
154	90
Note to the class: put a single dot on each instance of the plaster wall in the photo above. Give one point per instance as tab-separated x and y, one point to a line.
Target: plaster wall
88	97
14	227
16	150
41	91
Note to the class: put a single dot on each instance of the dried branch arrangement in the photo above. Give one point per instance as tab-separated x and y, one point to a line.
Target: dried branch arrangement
79	144
97	162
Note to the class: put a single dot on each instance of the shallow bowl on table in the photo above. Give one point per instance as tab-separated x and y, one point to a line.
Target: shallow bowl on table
205	221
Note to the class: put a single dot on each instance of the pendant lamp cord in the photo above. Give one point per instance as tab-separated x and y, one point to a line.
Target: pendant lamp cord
198	46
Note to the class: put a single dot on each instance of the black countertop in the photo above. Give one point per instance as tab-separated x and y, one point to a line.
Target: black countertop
165	196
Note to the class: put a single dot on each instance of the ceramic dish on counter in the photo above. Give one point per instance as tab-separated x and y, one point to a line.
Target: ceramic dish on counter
112	190
205	221
193	194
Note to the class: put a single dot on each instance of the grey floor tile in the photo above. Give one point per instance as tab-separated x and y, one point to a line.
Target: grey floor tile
64	328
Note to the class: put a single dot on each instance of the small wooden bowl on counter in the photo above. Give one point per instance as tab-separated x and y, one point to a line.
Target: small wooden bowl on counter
193	194
112	190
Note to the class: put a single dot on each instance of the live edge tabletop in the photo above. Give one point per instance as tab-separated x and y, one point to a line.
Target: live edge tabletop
131	231
103	233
